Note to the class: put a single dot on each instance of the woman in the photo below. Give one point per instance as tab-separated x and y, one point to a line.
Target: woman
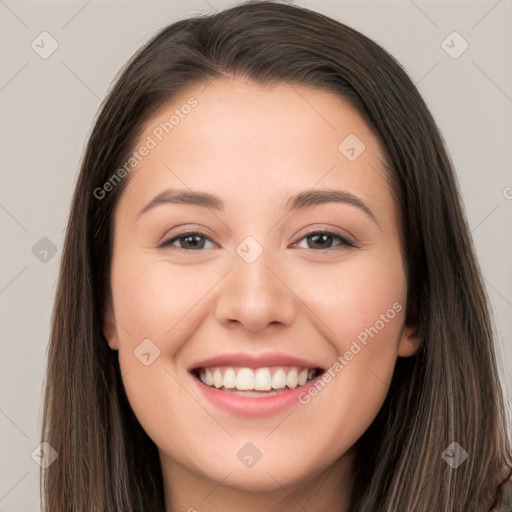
208	352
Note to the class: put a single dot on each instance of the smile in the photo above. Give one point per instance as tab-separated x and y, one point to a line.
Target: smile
242	381
254	385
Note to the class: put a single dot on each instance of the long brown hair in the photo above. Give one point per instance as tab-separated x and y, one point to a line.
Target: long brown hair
448	392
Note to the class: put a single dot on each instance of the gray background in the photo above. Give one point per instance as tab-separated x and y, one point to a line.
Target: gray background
48	106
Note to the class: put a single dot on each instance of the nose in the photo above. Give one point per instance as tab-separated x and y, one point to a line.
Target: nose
256	295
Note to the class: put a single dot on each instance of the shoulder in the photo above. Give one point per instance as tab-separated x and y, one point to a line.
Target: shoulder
504	501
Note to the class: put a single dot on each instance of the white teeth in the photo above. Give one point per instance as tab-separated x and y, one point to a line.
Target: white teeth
218	380
292	379
247	380
262	379
279	379
230	379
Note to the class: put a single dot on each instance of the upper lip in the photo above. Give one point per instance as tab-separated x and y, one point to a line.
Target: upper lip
254	360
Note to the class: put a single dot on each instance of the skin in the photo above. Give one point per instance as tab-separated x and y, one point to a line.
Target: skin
253	146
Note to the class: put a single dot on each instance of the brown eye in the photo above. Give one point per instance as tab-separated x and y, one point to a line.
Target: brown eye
192	240
322	240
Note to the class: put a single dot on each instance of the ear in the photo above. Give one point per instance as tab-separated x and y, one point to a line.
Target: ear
409	341
109	326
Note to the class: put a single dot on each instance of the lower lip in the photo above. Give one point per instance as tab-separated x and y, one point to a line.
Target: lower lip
253	406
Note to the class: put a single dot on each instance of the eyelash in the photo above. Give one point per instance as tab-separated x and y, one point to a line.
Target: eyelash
345	242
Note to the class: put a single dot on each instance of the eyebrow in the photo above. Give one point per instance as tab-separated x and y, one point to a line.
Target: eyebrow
299	201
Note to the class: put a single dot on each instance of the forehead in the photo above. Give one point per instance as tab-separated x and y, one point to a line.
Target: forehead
246	142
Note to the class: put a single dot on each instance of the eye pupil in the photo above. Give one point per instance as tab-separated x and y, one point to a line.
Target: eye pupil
187	238
321	236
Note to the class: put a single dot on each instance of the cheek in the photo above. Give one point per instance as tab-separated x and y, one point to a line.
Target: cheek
356	295
156	302
153	301
362	312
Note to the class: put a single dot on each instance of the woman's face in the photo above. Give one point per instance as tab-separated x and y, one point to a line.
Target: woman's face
217	331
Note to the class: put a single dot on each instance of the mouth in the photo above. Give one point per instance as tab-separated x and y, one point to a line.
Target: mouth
255	385
255	382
